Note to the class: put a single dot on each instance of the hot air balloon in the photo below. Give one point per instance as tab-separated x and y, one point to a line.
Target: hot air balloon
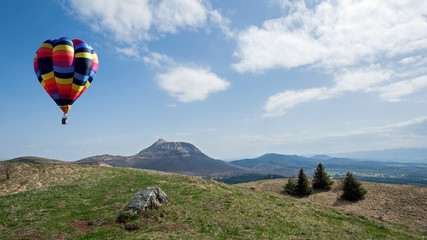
65	68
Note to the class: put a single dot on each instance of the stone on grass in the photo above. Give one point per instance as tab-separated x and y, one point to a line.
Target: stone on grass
151	197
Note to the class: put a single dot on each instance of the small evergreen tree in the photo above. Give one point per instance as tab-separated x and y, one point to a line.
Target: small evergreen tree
303	187
321	179
291	186
353	190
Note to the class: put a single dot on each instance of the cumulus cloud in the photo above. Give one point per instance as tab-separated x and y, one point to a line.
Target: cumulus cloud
370	46
170	15
189	84
333	34
127	20
185	81
132	21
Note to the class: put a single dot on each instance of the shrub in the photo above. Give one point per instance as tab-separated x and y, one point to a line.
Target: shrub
321	179
126	216
7	168
353	190
290	187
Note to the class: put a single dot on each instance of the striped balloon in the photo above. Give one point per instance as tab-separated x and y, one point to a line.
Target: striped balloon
65	68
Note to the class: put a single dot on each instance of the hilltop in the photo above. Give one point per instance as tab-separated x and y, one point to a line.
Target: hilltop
82	201
32	159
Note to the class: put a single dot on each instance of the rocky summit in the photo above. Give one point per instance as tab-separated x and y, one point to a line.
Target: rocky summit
175	157
162	146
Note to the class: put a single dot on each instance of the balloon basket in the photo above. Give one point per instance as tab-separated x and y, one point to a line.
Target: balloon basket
64	120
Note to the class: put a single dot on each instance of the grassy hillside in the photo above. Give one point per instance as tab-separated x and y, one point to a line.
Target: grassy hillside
64	201
402	204
32	159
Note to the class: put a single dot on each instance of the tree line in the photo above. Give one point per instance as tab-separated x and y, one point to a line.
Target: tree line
352	188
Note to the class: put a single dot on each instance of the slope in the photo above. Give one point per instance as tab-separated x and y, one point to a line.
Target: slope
404	204
87	208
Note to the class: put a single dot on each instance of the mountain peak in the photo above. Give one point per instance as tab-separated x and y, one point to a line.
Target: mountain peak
159	142
163	145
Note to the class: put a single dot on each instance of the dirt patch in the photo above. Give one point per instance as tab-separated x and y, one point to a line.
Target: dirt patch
82	226
29	233
119	206
133	226
175	227
61	235
132	181
107	197
403	204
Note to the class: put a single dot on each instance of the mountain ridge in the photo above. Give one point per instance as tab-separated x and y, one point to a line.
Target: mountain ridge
175	157
185	158
366	170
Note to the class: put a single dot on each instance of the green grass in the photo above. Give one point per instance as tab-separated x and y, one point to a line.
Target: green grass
87	208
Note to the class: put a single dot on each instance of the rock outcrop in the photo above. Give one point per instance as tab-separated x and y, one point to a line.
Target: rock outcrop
151	197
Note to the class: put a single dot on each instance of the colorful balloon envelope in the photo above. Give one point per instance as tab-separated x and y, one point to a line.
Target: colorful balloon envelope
65	68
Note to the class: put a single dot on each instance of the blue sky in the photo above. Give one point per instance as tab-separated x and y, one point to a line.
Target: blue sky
236	78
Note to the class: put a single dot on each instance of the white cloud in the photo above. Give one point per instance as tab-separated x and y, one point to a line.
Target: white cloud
409	129
222	22
128	20
350	80
173	14
272	47
278	104
370	46
360	79
131	51
394	92
132	21
334	33
189	84
159	60
185	81
408	60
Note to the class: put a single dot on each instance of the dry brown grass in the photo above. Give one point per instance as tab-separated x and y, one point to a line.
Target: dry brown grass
403	204
27	176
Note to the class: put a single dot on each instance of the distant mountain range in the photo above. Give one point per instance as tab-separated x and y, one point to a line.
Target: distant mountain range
373	171
412	155
175	157
185	158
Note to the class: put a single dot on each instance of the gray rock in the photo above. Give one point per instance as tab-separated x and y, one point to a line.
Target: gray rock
151	197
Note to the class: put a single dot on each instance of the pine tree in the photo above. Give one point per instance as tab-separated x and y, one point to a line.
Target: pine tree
353	190
303	187
321	179
290	186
